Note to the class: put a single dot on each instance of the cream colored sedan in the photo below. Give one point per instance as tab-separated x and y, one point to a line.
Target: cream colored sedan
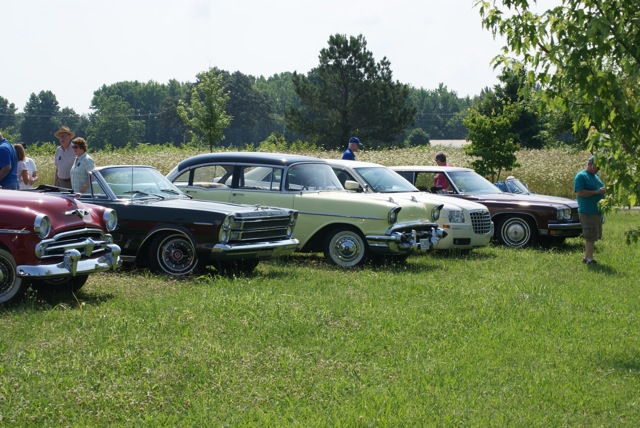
348	228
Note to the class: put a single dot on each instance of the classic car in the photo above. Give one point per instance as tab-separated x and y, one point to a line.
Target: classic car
347	227
162	228
521	220
513	185
468	224
52	241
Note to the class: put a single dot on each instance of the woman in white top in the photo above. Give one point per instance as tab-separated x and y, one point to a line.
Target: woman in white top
27	172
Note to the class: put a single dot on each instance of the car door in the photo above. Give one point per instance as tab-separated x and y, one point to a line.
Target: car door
262	185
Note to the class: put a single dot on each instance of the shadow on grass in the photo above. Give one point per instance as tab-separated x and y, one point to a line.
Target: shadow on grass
623	362
414	263
45	300
602	268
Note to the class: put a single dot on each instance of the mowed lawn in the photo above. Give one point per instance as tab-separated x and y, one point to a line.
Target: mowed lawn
499	337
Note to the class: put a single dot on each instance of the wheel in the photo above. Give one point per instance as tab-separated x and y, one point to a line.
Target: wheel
516	231
60	284
237	267
11	285
345	247
173	254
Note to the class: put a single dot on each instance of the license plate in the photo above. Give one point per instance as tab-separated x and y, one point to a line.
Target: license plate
424	244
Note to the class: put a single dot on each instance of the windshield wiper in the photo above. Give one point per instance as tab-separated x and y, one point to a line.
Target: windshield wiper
140	193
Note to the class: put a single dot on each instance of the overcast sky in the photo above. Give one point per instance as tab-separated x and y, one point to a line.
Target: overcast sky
73	47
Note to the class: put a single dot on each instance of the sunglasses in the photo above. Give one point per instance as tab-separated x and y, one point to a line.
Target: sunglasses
75	147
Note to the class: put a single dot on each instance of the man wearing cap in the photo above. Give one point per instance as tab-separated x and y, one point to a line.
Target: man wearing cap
8	165
64	157
352	148
589	190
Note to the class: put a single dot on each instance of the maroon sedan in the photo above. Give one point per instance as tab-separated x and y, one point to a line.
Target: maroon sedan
520	220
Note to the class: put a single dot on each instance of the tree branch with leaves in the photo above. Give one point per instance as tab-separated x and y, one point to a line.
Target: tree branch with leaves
205	113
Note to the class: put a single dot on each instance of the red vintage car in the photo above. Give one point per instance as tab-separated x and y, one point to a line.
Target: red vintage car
52	241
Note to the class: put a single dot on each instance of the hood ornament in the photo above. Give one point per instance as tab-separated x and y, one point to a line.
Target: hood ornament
79	212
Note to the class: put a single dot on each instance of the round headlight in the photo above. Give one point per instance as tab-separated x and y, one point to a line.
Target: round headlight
110	218
393	215
42	226
435	212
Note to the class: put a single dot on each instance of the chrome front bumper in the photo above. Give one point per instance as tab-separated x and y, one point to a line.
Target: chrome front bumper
405	243
72	264
259	250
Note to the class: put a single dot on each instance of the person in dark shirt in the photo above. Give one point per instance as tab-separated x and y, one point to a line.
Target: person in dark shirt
352	148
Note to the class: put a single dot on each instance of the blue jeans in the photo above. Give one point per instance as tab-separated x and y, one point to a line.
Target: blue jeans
10	186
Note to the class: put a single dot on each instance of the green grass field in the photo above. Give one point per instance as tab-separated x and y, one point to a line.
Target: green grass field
499	337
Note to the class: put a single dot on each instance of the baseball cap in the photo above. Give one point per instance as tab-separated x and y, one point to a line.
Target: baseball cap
355	140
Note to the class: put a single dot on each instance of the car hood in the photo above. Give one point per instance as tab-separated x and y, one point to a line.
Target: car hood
219	207
449	202
535	199
363	205
65	213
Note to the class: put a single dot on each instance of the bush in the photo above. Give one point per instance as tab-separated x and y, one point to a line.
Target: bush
417	137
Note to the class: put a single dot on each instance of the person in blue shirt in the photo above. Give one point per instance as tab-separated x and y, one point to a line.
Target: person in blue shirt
8	165
589	190
352	148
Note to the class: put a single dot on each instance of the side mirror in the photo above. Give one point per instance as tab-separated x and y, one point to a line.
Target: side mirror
351	185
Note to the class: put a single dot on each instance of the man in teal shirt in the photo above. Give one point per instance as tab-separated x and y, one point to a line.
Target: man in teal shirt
589	190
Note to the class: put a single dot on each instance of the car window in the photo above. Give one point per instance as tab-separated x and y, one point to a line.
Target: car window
472	183
207	176
424	180
381	179
343	175
96	190
312	176
260	178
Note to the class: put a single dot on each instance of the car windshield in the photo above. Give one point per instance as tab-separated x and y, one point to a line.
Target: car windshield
470	182
137	182
312	176
516	186
384	180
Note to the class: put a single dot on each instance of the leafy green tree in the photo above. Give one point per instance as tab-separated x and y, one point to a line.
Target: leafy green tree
205	112
492	140
281	94
437	111
149	102
250	109
585	55
529	125
76	122
112	125
40	118
8	118
349	93
417	137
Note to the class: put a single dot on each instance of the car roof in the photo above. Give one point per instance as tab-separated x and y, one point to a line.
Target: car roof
98	168
351	163
281	159
428	168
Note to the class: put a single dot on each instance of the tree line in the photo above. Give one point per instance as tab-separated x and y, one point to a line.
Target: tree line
348	93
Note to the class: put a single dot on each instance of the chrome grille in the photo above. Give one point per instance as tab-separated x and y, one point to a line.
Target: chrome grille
481	221
86	241
263	227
